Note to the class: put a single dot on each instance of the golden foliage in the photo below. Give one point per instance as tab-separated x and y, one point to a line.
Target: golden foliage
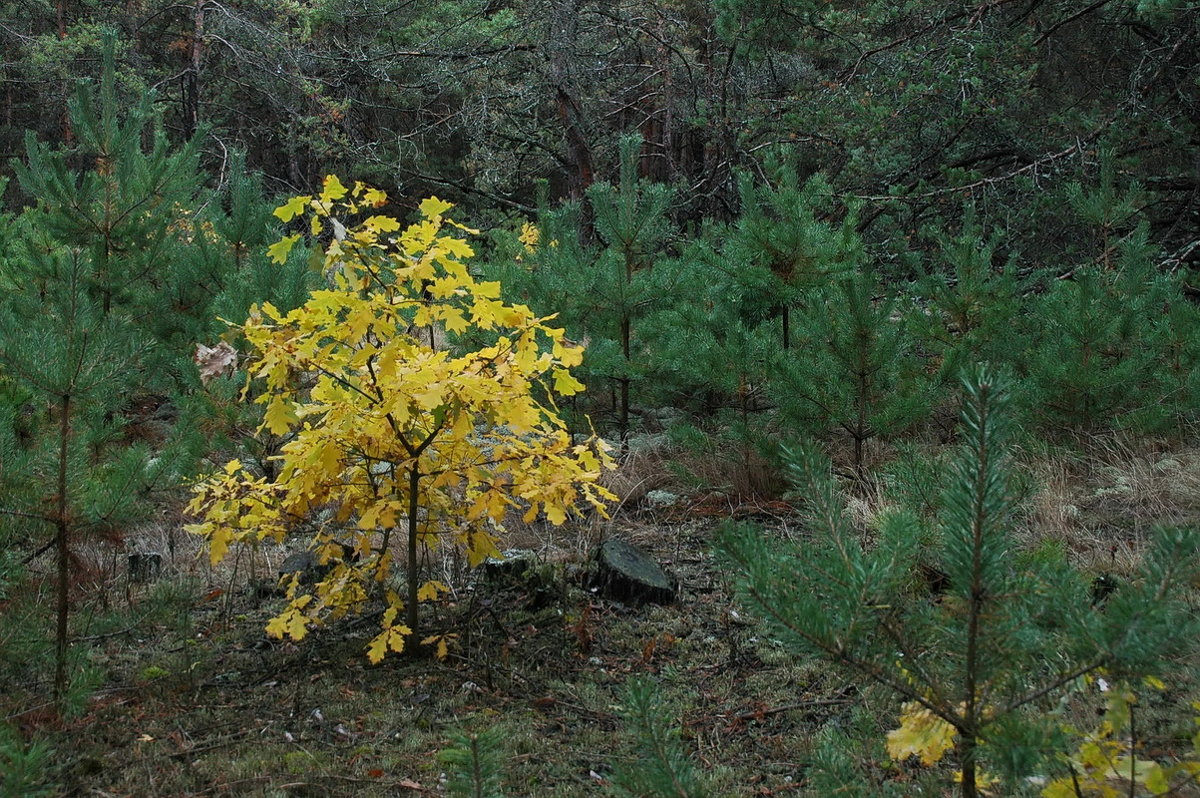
370	408
921	733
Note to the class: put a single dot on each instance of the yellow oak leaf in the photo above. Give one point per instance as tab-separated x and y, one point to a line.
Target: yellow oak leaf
480	546
431	590
555	514
280	416
921	733
565	384
332	190
219	538
443	647
292	622
433	207
444	287
292	208
455	321
488	290
566	354
457	248
391	638
382	224
279	251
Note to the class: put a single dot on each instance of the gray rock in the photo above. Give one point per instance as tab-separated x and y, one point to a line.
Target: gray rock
661	499
626	573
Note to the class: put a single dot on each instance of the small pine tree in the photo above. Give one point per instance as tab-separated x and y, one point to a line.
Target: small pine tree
661	767
474	766
1092	363
122	212
711	362
1176	342
1001	638
78	363
778	249
855	369
971	305
240	226
603	289
90	319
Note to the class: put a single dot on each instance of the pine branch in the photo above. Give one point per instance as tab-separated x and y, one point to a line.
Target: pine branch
473	765
662	769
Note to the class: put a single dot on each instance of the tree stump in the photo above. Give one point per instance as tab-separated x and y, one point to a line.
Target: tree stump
145	566
626	573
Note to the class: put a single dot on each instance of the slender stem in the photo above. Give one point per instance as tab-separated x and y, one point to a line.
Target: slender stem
476	766
976	599
62	531
414	478
1132	751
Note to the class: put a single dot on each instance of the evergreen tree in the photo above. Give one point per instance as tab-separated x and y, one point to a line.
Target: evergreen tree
95	329
855	369
661	767
238	226
974	661
123	209
715	361
77	363
603	289
1092	363
474	766
971	305
778	249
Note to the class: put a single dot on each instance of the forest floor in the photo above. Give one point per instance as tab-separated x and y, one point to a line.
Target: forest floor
187	696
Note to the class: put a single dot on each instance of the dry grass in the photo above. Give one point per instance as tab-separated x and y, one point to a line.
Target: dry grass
1104	496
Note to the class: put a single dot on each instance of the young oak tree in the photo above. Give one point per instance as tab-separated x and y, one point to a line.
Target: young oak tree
389	433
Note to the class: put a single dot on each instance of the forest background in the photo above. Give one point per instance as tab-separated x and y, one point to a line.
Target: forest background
768	222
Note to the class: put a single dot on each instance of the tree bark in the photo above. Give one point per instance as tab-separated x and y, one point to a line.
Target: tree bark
191	76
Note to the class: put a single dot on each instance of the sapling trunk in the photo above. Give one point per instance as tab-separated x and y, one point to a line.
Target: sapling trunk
410	609
62	545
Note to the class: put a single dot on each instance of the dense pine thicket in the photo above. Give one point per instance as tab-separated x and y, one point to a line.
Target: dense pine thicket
767	221
1032	162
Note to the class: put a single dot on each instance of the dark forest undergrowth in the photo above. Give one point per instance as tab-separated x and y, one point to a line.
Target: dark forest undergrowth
177	691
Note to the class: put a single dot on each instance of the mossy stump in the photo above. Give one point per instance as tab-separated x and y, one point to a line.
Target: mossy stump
626	573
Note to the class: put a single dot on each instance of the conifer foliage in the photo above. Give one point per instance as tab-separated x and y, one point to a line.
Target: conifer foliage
78	336
604	276
971	661
662	768
474	764
391	433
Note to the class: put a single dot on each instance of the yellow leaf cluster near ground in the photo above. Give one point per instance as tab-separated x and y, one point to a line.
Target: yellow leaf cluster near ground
393	443
921	733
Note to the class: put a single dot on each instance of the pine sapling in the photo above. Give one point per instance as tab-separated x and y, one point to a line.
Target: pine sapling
996	642
856	371
661	768
474	764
